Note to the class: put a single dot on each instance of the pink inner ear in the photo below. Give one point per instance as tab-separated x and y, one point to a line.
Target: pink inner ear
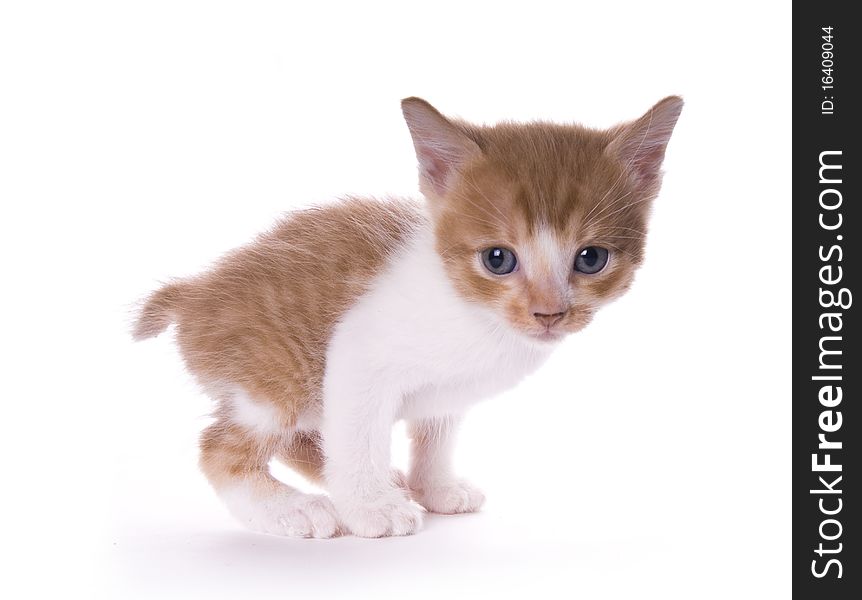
440	155
647	160
642	144
435	170
441	147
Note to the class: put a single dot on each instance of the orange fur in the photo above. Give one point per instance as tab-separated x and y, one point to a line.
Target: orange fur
587	186
262	317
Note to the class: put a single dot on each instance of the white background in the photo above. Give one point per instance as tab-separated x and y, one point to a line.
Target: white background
138	141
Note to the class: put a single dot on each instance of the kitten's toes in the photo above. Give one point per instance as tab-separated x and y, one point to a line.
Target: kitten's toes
305	515
451	497
289	514
391	514
322	516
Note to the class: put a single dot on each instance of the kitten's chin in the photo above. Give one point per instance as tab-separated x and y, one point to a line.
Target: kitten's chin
547	337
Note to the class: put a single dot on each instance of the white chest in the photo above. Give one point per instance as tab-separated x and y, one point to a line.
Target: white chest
413	332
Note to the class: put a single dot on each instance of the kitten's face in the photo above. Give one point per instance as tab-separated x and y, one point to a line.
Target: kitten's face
543	264
542	224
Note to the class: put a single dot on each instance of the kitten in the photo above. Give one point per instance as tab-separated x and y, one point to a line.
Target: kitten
318	336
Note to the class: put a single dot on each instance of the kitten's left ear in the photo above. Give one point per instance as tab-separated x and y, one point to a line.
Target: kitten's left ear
642	143
441	147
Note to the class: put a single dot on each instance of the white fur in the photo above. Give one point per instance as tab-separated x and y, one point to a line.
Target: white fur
270	507
410	348
258	417
546	259
309	420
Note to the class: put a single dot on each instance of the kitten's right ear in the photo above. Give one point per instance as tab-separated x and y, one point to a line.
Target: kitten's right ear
441	147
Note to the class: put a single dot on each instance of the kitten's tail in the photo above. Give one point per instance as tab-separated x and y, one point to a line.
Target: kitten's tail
158	312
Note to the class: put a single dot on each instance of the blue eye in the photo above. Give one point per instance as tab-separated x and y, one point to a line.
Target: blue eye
591	259
500	261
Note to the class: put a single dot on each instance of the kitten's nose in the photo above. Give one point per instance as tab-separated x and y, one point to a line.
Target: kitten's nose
549	320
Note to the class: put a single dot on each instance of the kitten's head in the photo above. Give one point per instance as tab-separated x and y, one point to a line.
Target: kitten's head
541	223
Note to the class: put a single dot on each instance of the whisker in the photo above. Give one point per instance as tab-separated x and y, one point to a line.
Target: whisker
613	203
621	250
625	170
477	189
615	227
627	206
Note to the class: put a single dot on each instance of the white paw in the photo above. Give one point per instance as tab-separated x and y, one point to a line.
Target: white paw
390	514
286	512
449	497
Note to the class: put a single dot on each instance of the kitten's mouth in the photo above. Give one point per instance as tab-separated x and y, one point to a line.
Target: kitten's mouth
548	335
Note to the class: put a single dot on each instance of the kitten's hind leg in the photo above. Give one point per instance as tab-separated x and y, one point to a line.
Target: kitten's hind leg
235	461
305	456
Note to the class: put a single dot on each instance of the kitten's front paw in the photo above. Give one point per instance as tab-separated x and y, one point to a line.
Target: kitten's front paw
390	514
449	497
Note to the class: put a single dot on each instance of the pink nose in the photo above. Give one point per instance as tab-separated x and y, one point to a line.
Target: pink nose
549	320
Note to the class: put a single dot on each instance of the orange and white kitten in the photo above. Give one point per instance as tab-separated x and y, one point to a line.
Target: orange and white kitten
341	320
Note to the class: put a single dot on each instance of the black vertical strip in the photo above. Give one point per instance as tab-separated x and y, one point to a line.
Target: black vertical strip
827	362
